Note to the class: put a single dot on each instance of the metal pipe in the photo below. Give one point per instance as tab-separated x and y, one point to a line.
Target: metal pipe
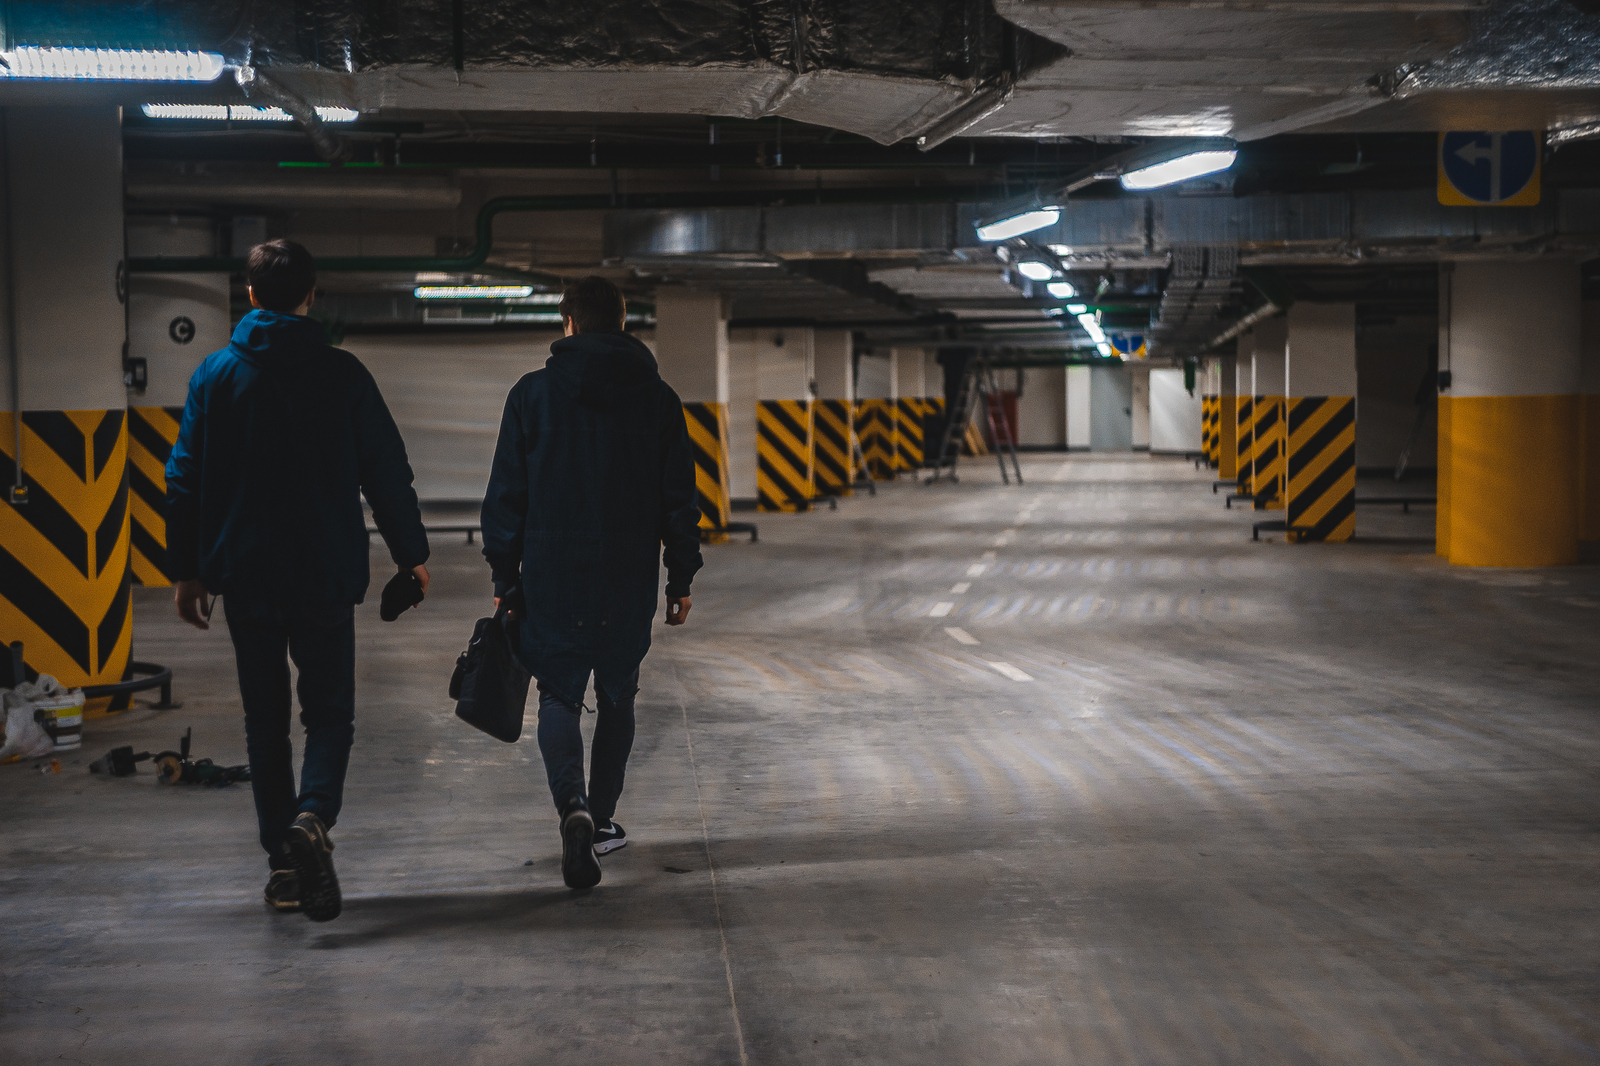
1260	314
478	257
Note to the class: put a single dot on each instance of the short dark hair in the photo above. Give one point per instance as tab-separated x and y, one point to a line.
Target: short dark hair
594	305
281	274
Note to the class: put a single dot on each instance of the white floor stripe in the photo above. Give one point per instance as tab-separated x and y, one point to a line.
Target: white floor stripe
1010	671
976	570
941	609
961	635
960	588
987	555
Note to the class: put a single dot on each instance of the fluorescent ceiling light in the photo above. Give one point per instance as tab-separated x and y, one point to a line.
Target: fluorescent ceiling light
237	113
1018	224
1193	165
111	64
1035	271
472	292
1062	290
1077	309
1091	326
1105	349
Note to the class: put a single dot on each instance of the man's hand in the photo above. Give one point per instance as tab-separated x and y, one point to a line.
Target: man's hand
193	603
677	610
422	575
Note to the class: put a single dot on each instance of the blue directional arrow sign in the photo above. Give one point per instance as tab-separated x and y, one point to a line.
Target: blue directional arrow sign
1478	168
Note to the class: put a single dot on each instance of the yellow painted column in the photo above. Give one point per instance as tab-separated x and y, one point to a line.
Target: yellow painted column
691	347
1269	432
1514	413
64	575
1320	422
1227	418
1441	521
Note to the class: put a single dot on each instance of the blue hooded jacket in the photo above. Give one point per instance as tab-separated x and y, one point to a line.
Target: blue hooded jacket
281	435
592	475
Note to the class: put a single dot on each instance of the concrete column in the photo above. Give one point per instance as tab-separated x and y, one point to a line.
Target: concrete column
1589	425
784	373
1176	417
1141	407
908	409
833	419
174	322
1227	417
1078	407
1443	480
693	354
875	389
1320	422
1267	437
1514	330
64	553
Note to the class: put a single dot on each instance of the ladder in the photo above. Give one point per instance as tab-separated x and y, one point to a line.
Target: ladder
978	385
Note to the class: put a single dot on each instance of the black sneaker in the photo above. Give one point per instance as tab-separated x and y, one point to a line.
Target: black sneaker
579	867
283	890
610	838
312	853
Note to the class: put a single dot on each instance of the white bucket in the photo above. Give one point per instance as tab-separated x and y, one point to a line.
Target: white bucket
62	719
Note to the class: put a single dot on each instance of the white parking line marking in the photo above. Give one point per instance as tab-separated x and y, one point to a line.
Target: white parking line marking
1010	671
960	588
941	609
961	635
987	555
976	570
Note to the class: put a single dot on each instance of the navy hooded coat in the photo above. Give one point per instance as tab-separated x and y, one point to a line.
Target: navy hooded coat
592	475
281	435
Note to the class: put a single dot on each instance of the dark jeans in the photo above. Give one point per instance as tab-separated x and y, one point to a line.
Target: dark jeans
561	744
322	643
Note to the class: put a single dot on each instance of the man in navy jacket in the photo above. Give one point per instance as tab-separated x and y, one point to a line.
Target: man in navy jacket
592	475
281	436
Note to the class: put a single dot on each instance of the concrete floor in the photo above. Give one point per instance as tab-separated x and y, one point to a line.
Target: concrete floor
1256	803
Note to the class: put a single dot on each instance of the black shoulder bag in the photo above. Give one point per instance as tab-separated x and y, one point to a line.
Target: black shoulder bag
489	685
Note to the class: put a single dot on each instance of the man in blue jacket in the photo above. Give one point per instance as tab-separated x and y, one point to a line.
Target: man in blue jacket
281	436
592	474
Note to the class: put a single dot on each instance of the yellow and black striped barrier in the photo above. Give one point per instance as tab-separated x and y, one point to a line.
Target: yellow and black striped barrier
1267	452
785	455
1322	468
910	422
1208	429
1244	442
874	430
151	433
64	554
1227	446
708	441
834	454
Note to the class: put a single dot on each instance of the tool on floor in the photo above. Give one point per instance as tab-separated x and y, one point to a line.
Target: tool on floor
119	762
172	767
403	592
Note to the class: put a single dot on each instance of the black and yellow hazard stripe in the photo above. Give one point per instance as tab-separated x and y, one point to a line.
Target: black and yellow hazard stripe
708	441
785	455
1227	437
909	415
1208	428
64	554
151	434
834	454
1322	468
874	429
1267	452
1244	441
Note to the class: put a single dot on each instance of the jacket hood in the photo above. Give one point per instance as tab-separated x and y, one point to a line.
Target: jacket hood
271	338
598	368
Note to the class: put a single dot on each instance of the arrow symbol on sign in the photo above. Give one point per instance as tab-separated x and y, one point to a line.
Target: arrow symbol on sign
1474	153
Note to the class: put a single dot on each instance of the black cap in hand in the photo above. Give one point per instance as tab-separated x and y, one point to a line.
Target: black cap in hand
403	592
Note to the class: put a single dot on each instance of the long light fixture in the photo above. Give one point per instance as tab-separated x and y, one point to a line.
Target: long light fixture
1034	270
1062	290
1183	168
472	292
1091	326
110	64
244	113
1017	223
1148	166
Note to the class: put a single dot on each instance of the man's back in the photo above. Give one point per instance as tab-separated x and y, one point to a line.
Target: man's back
280	436
591	474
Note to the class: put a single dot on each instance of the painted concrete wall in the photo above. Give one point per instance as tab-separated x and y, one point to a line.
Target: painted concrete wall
1077	386
1042	408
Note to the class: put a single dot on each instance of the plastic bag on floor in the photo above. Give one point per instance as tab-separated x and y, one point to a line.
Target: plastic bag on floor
25	737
